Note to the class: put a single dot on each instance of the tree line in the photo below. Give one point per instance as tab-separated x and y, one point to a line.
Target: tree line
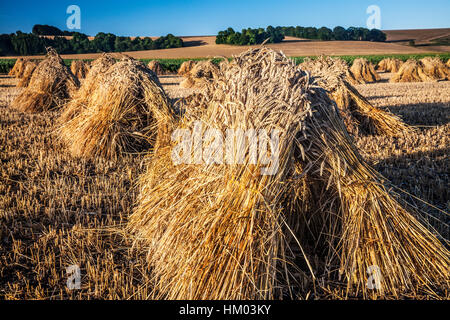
250	36
21	44
338	33
274	35
46	30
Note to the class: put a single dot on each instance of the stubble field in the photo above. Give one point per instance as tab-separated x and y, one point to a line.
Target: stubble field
57	211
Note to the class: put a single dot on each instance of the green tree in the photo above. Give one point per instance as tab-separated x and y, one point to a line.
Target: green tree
339	33
324	34
136	44
46	30
80	43
148	44
376	35
299	32
6	47
311	33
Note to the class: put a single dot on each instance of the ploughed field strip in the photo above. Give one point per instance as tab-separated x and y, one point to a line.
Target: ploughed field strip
57	210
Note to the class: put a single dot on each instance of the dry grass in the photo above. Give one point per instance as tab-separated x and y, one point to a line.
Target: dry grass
389	65
411	71
27	73
156	67
418	162
120	115
56	210
80	99
18	68
359	115
315	226
200	74
362	71
79	68
425	70
435	68
186	67
188	83
171	84
50	86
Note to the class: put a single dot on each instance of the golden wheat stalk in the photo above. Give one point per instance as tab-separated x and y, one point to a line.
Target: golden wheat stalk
120	115
217	231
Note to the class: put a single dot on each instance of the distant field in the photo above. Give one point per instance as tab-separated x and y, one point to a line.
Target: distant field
205	47
418	35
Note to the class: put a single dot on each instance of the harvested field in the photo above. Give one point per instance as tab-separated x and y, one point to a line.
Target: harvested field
418	162
420	36
56	210
171	84
205	46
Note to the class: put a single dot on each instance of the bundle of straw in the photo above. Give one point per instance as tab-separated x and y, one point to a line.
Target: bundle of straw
92	80
389	65
50	86
435	68
412	71
186	67
79	68
202	73
120	115
27	73
362	71
156	67
359	115
219	231
18	68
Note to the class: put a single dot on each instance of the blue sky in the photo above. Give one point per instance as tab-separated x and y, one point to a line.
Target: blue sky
198	17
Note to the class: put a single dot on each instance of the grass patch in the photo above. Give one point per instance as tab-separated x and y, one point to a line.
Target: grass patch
6	65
